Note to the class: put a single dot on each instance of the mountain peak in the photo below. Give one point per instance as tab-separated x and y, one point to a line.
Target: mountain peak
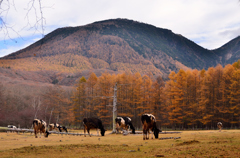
116	44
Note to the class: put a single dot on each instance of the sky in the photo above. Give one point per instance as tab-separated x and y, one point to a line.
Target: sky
209	23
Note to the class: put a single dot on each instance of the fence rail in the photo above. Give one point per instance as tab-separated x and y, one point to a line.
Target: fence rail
141	132
24	130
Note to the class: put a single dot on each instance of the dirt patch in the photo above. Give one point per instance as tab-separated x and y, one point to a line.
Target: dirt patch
188	142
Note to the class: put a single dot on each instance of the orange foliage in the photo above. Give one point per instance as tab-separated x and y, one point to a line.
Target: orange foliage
189	99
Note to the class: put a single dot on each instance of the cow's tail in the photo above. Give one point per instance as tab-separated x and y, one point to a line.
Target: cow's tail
131	126
35	123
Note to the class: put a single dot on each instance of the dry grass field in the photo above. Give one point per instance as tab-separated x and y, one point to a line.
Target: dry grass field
207	143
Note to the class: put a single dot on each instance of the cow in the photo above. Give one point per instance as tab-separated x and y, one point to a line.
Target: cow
149	122
93	123
54	126
12	126
124	123
63	128
219	125
41	127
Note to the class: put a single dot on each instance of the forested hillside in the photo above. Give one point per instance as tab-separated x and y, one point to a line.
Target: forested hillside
71	72
120	45
192	99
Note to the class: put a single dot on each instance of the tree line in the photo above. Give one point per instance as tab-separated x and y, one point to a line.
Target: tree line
192	99
20	104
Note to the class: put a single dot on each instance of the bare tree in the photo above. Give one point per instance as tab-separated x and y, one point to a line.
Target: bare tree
34	6
36	104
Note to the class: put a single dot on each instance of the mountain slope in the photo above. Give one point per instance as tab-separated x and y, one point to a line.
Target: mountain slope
230	52
119	45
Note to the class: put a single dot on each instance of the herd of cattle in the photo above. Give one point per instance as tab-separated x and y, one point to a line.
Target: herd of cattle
148	123
124	123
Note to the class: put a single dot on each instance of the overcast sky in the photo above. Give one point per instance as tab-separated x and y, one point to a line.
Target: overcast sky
209	23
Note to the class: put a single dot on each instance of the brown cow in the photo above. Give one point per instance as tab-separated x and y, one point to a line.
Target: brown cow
93	123
149	122
40	126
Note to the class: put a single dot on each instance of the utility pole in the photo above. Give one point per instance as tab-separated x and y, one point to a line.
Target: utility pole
114	108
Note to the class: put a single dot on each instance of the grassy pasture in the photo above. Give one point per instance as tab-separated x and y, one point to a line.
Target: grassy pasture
209	143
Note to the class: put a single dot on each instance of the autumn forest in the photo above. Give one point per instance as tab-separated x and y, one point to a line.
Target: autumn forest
192	99
189	99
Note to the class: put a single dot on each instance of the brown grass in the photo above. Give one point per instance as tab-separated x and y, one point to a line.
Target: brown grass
191	144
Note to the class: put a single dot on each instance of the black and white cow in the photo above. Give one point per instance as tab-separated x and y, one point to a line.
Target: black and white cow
124	123
55	126
12	126
93	123
219	125
40	126
149	122
63	128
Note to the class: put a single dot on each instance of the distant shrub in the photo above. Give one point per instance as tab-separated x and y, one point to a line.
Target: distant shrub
55	81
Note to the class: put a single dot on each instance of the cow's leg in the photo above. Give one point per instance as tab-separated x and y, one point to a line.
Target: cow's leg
147	131
126	128
85	131
35	132
144	135
117	128
144	132
88	130
152	134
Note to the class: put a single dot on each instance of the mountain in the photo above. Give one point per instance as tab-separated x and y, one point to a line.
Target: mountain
118	45
230	52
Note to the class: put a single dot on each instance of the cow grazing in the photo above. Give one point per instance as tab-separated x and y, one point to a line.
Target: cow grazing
93	123
149	122
219	125
63	128
40	126
55	126
124	123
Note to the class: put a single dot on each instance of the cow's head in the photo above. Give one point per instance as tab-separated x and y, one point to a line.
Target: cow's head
103	132
46	134
65	128
133	131
59	128
156	132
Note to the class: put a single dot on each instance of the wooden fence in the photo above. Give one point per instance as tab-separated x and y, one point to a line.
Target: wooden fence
24	130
